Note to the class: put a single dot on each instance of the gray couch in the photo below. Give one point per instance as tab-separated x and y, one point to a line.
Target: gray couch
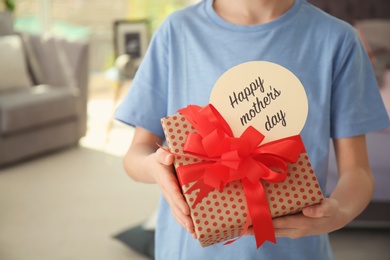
43	93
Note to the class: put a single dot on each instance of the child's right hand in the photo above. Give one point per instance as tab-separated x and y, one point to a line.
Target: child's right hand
170	189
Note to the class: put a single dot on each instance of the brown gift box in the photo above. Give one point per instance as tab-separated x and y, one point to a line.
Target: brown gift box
222	214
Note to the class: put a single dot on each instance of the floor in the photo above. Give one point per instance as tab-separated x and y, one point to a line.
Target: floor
69	205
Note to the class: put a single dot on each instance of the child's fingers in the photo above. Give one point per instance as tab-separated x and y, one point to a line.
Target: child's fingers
164	157
172	193
182	216
325	209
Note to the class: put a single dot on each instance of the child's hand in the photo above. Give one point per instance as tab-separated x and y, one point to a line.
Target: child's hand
317	219
171	190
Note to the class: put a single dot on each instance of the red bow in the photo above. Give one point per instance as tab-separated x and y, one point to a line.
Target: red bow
227	158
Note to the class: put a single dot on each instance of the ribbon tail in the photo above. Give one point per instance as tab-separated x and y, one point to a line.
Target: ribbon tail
259	211
204	190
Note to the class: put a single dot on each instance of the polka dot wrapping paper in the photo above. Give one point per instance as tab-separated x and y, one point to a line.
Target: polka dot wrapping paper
221	215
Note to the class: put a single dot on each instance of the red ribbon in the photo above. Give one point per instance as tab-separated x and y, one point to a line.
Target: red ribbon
227	158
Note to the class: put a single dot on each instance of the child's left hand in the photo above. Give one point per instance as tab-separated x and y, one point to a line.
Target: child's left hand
350	197
313	220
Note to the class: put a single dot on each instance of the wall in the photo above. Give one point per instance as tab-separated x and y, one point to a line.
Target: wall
98	16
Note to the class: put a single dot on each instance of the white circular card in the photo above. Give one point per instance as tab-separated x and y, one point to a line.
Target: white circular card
264	95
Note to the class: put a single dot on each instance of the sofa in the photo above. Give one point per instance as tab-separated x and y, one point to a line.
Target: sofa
43	93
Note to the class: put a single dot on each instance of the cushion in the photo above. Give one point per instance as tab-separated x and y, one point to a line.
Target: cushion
13	66
53	62
35	107
6	26
34	66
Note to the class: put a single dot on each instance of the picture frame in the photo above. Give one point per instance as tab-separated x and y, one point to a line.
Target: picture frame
131	37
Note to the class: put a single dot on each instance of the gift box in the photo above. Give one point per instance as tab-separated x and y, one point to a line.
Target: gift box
220	212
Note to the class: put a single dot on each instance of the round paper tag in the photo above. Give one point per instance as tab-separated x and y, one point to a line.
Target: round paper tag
264	95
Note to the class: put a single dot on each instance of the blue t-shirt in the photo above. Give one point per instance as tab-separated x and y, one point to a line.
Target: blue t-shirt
195	46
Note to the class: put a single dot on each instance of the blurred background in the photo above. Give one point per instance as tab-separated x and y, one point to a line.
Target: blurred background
91	20
64	67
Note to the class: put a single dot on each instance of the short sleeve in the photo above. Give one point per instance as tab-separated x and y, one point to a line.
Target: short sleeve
146	102
356	104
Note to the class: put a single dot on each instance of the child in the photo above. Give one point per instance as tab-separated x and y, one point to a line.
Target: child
186	56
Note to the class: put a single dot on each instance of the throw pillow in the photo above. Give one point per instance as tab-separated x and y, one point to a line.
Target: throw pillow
34	66
52	60
6	26
13	67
